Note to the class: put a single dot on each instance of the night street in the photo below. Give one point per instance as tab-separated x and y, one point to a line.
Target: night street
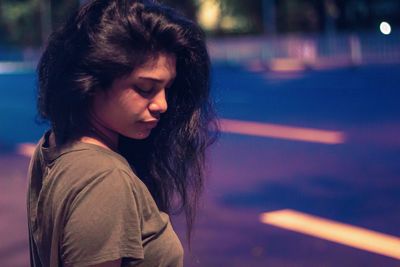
355	180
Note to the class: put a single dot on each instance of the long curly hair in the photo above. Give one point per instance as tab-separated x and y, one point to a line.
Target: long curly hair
107	39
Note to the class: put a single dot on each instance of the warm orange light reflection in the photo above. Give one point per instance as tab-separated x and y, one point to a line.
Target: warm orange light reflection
26	149
282	132
334	231
286	64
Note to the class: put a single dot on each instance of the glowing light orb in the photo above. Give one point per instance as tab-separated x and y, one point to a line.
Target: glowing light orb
385	28
209	14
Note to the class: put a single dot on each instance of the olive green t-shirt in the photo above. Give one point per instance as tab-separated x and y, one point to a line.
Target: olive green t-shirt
86	206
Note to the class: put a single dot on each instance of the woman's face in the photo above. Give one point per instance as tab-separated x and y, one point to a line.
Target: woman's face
133	105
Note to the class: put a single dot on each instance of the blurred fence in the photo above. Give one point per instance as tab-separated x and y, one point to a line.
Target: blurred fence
14	60
309	50
290	51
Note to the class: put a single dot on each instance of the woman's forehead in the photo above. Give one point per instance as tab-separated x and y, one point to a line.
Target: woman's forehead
161	67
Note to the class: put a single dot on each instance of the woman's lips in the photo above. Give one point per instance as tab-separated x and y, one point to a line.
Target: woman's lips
150	124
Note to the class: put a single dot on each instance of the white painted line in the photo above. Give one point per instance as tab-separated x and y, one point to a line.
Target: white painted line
341	233
282	132
16	67
26	149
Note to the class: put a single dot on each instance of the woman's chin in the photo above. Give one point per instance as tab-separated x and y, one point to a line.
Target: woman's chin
139	135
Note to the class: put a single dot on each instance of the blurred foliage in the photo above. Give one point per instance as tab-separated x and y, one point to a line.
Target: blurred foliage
24	22
187	7
61	10
334	15
28	22
20	22
240	17
367	14
236	16
299	16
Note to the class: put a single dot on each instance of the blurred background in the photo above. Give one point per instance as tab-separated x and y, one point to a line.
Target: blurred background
306	172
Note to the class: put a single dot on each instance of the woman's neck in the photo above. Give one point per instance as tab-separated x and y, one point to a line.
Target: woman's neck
100	135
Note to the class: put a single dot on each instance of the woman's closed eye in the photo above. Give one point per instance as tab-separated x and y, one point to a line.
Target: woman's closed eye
144	91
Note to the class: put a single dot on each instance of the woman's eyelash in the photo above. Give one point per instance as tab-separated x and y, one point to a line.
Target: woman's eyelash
143	91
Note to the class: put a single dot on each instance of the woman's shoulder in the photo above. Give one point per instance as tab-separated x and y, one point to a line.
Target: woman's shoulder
81	163
83	172
90	157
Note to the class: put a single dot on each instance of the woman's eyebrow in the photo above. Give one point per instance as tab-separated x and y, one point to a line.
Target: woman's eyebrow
151	79
157	80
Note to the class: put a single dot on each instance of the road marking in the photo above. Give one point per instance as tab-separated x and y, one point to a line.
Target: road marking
341	233
282	132
26	149
255	129
16	67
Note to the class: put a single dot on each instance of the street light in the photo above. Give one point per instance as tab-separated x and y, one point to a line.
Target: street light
385	28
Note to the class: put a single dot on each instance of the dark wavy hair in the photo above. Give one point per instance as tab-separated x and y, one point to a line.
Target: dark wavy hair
107	39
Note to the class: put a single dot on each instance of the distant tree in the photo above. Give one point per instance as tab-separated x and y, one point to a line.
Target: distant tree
187	7
23	22
248	15
20	22
367	14
61	10
335	15
237	16
298	16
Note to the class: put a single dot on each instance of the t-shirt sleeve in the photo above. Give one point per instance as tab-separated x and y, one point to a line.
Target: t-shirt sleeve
104	222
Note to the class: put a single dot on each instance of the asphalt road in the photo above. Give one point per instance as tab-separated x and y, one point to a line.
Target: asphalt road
356	182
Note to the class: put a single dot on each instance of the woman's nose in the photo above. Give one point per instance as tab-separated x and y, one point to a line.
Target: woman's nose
159	103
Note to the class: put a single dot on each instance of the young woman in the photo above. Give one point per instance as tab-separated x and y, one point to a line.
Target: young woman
125	86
